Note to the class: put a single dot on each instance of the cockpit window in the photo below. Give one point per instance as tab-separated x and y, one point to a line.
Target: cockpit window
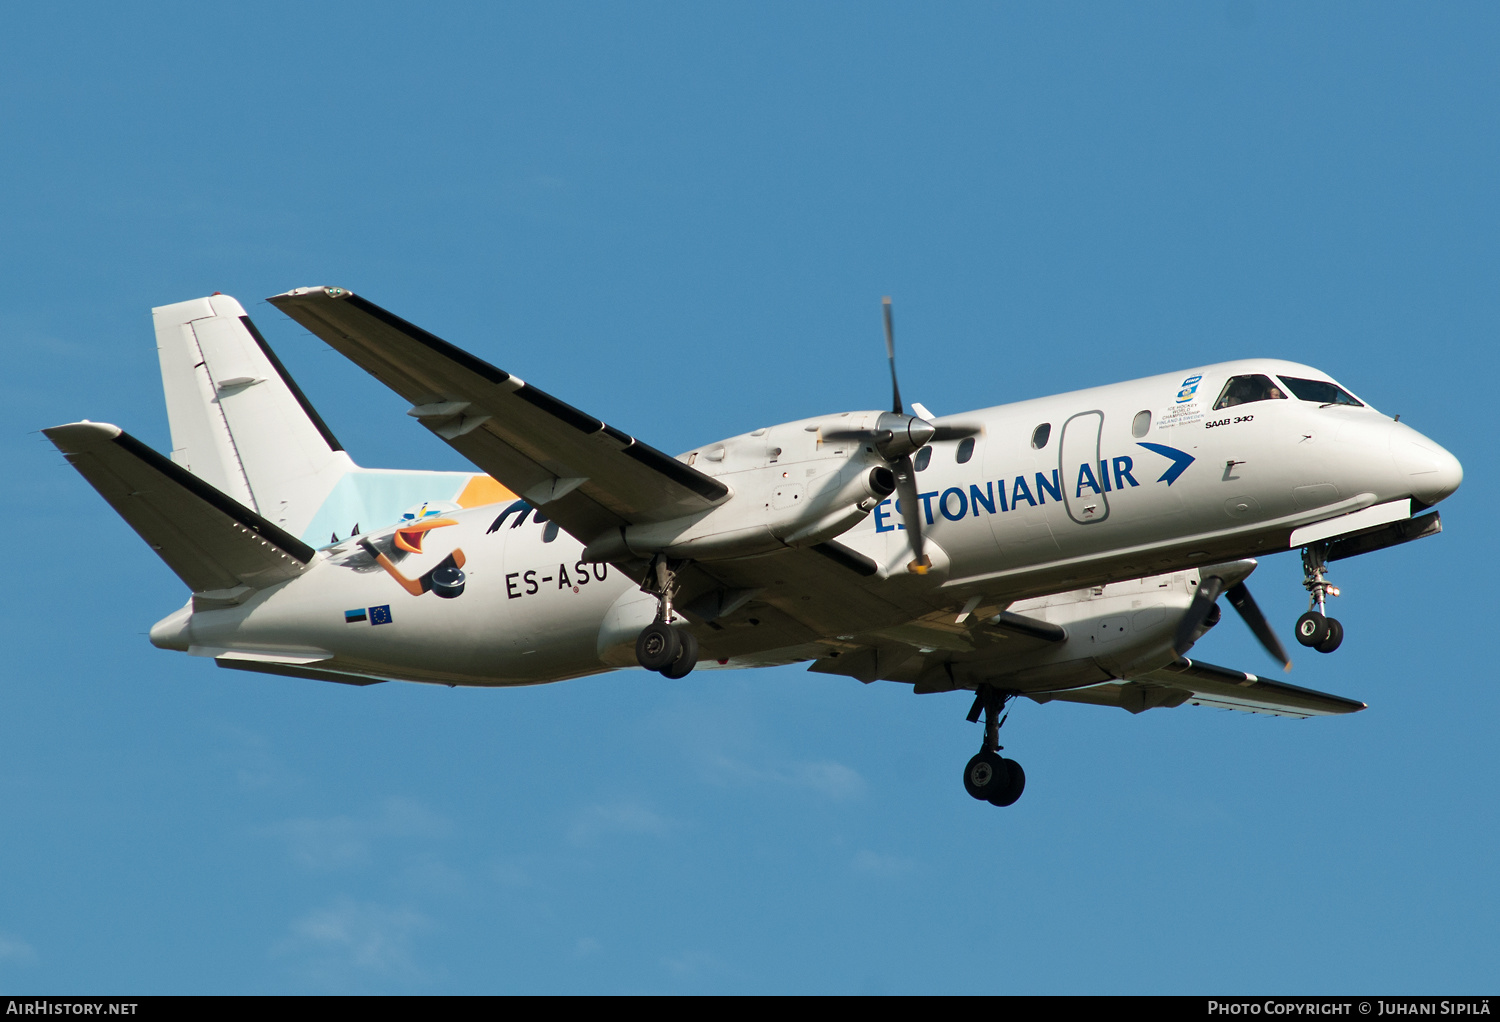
1322	392
1242	390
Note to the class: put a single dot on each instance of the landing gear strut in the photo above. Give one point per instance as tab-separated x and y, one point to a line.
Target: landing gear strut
989	777
662	647
1315	628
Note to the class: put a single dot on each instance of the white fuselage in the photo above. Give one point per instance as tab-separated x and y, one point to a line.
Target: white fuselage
1106	498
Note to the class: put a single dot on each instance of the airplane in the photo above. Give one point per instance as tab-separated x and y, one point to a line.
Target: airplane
1069	548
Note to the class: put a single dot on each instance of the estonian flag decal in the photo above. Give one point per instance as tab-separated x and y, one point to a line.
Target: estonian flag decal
353	616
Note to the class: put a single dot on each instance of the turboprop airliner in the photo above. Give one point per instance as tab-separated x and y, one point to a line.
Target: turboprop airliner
1068	548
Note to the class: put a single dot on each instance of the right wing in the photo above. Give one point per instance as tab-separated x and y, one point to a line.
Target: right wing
586	476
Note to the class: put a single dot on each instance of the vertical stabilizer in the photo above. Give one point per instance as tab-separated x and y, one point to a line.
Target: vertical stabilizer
238	420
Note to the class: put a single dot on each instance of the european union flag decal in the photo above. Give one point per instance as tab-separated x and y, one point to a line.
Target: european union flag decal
380	615
354	616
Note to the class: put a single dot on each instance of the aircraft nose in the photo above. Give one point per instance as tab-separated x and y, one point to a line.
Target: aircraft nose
1432	472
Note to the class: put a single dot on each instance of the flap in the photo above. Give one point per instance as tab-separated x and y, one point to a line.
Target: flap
212	541
587	476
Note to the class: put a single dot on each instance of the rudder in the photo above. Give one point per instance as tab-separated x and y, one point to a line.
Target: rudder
238	420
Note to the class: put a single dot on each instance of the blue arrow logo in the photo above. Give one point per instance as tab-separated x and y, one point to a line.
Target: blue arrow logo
1180	461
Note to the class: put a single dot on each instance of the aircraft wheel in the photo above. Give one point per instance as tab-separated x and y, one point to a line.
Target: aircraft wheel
687	657
1335	637
1312	628
986	776
1016	783
657	646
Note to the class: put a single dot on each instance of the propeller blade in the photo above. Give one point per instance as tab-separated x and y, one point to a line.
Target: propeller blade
1242	601
911	514
955	431
890	354
874	436
1197	612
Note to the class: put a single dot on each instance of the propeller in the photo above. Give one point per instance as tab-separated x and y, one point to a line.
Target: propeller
1203	606
897	436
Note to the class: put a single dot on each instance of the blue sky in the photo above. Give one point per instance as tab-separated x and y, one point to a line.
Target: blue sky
681	217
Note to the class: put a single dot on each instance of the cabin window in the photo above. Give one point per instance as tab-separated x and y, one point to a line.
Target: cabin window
923	457
965	449
1142	424
1040	435
549	533
1244	390
1322	392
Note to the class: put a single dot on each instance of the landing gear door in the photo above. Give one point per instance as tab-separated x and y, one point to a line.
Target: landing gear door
1081	468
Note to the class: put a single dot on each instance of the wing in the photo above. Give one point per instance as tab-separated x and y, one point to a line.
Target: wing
212	541
591	478
586	476
804	598
1201	684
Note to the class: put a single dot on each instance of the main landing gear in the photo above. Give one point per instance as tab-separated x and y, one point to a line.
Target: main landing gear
989	777
1315	628
663	647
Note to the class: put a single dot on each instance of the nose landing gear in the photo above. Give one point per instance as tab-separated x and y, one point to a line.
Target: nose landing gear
1315	628
988	776
663	647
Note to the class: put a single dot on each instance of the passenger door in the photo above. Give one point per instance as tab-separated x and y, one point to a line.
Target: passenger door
1079	469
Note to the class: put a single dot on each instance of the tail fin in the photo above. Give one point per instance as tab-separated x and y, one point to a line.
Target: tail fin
238	420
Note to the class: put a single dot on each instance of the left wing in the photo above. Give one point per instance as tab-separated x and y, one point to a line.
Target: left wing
1201	684
586	476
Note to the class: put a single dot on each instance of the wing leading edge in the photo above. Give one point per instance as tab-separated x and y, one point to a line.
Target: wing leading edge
587	476
1201	684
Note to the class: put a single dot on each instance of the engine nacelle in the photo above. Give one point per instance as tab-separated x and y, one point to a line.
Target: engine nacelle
790	486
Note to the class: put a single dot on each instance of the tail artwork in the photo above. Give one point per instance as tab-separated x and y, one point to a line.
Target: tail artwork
251	459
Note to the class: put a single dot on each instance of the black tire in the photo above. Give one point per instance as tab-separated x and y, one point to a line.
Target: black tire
1013	789
687	657
1312	628
1334	639
657	646
986	776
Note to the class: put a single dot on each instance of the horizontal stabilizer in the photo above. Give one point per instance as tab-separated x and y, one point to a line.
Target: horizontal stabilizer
298	671
588	477
213	542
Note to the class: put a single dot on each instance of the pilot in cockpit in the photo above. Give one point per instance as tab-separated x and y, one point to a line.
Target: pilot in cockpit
1242	390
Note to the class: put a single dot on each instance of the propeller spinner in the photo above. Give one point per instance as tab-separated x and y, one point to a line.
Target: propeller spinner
897	436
